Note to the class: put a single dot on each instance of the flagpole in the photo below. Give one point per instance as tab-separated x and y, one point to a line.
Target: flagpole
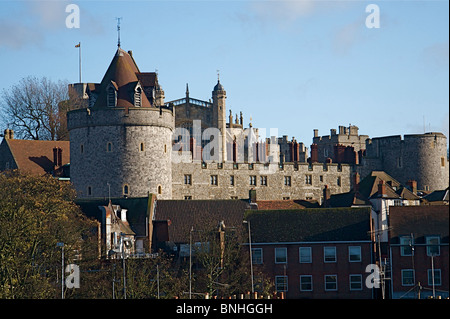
79	57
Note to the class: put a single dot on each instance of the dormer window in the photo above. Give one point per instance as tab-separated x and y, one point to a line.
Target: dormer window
137	97
111	96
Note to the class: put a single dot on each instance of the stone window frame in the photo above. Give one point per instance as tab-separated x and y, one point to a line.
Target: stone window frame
125	189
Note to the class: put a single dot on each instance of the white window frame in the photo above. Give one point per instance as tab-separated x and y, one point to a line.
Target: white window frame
350	254
325	282
325	255
429	245
285	283
277	249
257	260
359	281
403	277
430	278
300	255
306	276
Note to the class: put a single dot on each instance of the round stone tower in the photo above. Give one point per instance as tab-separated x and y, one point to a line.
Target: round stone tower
121	146
416	157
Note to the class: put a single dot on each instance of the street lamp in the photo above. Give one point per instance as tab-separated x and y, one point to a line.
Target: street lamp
250	250
61	244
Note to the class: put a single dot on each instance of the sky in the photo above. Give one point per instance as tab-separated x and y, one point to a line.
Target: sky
294	66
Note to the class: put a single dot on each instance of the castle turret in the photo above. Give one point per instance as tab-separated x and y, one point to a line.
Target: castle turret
219	116
122	145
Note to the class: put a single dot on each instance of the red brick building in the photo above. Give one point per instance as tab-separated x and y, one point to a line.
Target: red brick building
314	253
418	242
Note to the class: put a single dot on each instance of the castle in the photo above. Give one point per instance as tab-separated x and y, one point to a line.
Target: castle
129	142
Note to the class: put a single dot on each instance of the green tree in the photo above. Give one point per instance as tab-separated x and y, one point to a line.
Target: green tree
37	212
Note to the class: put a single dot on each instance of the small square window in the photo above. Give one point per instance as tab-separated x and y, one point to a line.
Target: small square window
308	179
231	180
214	180
188	179
252	180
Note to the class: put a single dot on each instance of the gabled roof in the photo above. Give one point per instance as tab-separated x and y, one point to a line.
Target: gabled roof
122	73
202	215
36	157
368	187
314	224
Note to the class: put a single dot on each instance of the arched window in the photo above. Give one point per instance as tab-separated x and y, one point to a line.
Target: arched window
137	97
89	190
159	189
126	189
109	147
111	97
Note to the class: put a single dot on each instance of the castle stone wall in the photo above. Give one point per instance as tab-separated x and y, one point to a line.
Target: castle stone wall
119	148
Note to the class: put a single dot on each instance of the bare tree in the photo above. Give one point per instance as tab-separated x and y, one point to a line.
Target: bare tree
35	108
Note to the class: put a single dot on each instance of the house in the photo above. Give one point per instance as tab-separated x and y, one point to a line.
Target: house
35	157
314	252
418	248
125	221
174	220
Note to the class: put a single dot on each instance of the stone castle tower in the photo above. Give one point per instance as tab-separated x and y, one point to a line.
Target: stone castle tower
219	117
418	157
121	144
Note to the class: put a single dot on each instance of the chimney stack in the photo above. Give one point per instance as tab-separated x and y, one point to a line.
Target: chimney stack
382	189
412	186
326	196
9	134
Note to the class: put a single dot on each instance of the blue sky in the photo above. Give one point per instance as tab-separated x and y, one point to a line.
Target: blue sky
291	65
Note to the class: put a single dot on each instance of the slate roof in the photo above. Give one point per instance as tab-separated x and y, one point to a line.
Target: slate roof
437	196
36	157
420	221
314	224
202	215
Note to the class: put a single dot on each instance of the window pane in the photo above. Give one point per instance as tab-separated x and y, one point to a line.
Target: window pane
305	254
280	255
329	254
305	283
330	282
281	283
354	253
257	255
355	282
437	277
407	277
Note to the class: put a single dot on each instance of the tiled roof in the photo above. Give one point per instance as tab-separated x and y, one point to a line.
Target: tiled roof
202	215
285	204
368	187
347	199
420	221
437	196
315	224
36	157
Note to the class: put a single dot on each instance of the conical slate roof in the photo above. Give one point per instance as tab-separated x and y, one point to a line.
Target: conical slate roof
122	75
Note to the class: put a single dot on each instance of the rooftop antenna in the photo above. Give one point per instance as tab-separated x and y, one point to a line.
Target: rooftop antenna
118	31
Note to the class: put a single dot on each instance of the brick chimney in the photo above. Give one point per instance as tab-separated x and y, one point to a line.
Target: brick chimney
314	153
382	189
412	186
326	196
